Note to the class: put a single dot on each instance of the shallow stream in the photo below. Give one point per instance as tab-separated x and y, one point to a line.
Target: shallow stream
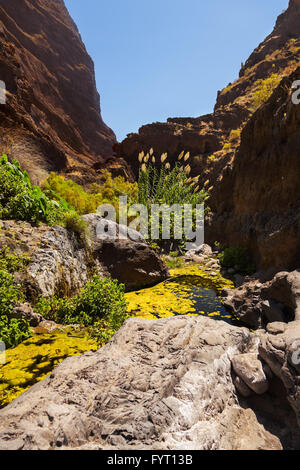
190	291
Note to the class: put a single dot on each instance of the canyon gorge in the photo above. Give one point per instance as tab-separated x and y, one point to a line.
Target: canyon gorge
206	356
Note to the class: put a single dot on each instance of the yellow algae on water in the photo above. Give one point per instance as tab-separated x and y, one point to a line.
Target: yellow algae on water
35	358
160	301
210	279
179	295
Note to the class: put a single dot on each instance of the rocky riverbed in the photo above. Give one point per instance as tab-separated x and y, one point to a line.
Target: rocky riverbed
161	384
172	379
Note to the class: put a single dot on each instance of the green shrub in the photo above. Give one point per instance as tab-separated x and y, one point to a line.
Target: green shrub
234	136
73	222
10	293
213	158
264	90
86	202
237	257
57	187
13	331
11	262
161	184
100	304
21	201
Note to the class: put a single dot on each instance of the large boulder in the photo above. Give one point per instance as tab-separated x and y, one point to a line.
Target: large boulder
161	384
124	254
250	370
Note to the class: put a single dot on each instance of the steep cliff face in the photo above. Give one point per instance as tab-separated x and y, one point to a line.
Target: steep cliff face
256	201
209	138
52	119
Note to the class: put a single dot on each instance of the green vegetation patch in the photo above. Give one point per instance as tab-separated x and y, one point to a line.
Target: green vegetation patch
238	258
19	200
161	183
12	331
87	201
263	90
100	305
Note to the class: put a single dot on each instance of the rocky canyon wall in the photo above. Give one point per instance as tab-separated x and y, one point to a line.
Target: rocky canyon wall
255	198
256	201
52	118
207	137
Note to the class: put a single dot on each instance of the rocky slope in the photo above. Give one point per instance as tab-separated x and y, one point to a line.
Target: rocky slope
209	137
52	118
255	202
166	384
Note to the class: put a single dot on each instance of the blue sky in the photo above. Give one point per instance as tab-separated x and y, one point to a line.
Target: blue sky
156	59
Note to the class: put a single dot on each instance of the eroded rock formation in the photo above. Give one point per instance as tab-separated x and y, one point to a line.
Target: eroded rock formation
256	199
162	384
257	303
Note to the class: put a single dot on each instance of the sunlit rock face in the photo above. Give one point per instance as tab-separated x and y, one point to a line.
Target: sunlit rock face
159	384
255	203
52	118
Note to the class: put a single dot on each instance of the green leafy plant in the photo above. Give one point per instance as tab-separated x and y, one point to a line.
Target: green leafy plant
264	90
20	200
100	305
13	331
237	257
10	293
11	262
161	184
87	201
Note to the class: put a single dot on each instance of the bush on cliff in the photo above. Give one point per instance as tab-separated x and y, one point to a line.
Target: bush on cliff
264	90
19	200
100	305
237	257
